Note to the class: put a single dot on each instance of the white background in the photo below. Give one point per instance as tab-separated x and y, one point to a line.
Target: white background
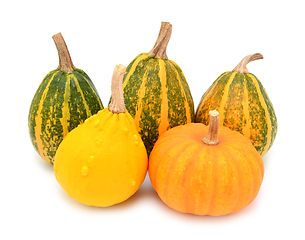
208	38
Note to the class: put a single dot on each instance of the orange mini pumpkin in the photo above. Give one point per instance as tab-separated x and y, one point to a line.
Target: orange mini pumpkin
205	170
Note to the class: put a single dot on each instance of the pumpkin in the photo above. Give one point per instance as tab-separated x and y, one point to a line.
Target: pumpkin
205	170
156	92
65	98
103	161
243	105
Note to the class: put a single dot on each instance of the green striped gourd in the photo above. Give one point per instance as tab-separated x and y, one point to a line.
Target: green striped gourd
243	105
65	98
156	93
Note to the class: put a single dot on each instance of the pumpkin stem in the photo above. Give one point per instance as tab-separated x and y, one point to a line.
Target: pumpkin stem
242	66
65	61
159	50
117	104
211	137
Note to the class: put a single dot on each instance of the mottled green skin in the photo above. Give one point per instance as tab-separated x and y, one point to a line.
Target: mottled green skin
242	109
46	110
146	77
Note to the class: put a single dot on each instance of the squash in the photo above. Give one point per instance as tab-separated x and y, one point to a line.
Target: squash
205	170
243	105
65	98
156	92
103	161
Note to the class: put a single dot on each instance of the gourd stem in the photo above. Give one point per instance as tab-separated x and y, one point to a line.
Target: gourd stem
65	61
242	66
117	104
212	135
159	50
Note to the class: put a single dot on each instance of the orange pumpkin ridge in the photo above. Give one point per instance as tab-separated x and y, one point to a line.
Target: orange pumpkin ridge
192	174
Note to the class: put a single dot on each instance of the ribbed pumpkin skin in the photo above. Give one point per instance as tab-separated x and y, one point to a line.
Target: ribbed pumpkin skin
243	106
192	177
157	96
62	102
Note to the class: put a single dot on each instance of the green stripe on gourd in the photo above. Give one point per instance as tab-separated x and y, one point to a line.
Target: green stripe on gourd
271	111
176	106
156	93
243	105
65	98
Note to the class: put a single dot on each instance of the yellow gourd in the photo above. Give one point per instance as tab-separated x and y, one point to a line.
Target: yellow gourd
103	161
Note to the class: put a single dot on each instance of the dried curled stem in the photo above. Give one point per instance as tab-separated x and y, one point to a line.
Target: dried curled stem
159	49
242	66
117	104
65	61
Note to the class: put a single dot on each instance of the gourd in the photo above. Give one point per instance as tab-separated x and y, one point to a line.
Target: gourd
156	92
65	98
243	105
205	170
103	161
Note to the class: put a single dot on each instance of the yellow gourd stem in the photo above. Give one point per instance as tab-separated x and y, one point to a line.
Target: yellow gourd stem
159	49
242	66
65	61
212	135
117	104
